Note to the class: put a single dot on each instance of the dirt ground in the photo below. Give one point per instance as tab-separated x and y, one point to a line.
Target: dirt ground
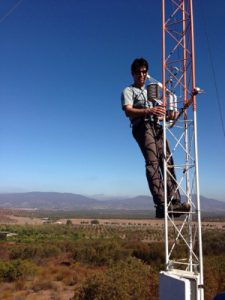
9	218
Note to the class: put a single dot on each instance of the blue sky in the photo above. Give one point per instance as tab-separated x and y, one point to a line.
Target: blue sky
63	65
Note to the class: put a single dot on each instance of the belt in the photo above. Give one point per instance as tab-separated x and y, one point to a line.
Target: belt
140	120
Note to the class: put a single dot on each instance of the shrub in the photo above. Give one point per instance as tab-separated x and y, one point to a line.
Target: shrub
34	251
100	252
150	253
94	222
69	222
126	280
214	274
213	243
11	271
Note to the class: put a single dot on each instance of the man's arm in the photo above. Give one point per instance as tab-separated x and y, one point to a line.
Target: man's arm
130	111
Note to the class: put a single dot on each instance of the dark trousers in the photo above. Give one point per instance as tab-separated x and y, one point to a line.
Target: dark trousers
149	137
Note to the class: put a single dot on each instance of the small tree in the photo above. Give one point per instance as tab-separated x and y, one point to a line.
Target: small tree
69	223
95	222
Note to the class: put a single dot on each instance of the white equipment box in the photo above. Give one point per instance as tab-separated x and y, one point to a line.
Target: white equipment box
178	285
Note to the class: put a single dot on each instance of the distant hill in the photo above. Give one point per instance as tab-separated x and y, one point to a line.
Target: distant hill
46	200
69	201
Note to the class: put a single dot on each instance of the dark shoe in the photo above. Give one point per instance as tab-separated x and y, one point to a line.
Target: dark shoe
159	211
178	209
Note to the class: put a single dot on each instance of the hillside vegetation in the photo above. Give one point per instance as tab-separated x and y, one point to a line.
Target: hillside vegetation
95	261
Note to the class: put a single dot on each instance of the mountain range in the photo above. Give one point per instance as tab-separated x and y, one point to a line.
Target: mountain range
69	201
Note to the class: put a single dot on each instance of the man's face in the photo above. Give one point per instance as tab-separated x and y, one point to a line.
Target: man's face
140	76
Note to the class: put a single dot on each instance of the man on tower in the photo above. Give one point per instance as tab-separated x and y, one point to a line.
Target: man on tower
148	133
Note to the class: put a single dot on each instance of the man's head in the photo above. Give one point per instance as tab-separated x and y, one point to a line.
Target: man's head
139	71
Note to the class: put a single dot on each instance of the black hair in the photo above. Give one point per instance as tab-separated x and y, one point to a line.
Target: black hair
138	63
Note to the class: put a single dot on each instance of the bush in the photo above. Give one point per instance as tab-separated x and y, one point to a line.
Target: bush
95	222
214	274
99	252
150	253
33	251
213	243
126	280
11	271
69	223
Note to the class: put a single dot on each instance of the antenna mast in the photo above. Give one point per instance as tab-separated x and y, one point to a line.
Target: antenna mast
183	238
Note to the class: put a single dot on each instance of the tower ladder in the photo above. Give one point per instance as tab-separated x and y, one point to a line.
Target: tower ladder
183	236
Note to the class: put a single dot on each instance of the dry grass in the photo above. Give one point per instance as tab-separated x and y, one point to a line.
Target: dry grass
54	281
10	219
10	216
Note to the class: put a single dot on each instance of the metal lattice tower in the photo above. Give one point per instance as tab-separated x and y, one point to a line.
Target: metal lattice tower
183	237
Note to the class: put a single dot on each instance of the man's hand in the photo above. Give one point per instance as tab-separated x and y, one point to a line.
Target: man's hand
158	111
171	115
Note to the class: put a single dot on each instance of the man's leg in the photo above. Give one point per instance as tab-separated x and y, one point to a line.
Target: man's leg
172	187
173	193
145	136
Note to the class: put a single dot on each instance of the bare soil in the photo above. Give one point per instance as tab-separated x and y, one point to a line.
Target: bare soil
7	217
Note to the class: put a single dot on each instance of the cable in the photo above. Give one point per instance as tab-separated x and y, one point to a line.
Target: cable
2	19
213	72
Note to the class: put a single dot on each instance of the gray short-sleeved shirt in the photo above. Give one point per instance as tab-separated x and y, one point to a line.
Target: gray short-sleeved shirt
137	97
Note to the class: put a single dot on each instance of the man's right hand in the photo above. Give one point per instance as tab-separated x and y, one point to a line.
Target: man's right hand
158	111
